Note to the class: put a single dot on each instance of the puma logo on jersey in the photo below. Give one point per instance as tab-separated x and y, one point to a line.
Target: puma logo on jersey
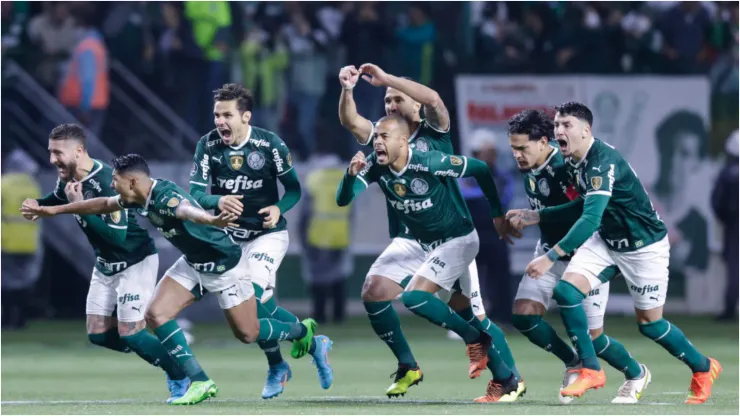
218	159
597	168
241	183
443	158
411	206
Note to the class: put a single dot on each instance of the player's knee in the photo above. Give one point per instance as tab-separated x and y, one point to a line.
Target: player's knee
525	323
528	307
248	334
126	329
373	290
595	333
155	318
567	294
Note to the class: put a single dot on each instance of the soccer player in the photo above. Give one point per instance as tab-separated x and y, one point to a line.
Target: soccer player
243	164
392	270
211	262
546	183
616	227
421	187
126	263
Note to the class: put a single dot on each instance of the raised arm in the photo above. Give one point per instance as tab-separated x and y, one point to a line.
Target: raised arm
355	180
359	126
435	111
104	205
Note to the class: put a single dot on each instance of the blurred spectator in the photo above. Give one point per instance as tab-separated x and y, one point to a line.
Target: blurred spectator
128	33
724	73
416	45
14	18
684	29
264	60
181	58
725	206
55	34
497	288
211	25
307	43
21	251
85	86
325	232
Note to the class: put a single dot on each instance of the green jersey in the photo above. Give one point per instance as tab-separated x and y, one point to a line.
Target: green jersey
206	248
421	196
424	139
118	240
546	186
629	221
251	169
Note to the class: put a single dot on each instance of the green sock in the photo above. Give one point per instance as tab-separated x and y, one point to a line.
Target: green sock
428	306
385	323
270	348
499	369
570	302
174	342
674	341
274	330
111	340
543	335
148	347
614	353
499	339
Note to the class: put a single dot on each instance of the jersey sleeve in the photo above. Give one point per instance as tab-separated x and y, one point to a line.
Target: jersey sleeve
281	156
199	177
442	164
369	173
117	220
168	202
57	197
351	186
600	179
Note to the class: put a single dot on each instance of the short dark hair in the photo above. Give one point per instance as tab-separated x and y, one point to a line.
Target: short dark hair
534	123
230	92
131	162
69	131
398	119
577	110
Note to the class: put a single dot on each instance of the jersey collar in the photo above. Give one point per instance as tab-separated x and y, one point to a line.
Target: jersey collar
547	161
408	161
96	168
249	134
149	197
416	132
585	155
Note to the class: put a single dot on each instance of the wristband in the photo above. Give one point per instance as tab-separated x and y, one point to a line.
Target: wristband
553	255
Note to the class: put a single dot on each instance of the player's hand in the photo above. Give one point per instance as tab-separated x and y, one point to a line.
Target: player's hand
31	208
374	75
273	215
357	163
224	219
231	203
522	218
348	77
31	203
73	190
505	230
538	267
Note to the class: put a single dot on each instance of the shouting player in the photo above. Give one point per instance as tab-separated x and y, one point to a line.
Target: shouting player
616	227
546	183
243	164
211	262
126	261
421	187
391	271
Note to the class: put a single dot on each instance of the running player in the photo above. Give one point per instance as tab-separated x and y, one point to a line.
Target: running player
211	262
243	164
421	187
126	261
547	184
616	227
392	270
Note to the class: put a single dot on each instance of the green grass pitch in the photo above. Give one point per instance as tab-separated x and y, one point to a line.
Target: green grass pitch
50	369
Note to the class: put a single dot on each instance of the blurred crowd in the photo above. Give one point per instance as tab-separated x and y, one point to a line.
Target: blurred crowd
289	53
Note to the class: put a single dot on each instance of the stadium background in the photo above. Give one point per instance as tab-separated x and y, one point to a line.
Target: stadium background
648	70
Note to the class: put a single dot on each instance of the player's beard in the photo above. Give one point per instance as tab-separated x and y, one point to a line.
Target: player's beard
69	170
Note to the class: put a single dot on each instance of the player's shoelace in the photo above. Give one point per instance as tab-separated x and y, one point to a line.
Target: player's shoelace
400	373
627	388
494	390
476	351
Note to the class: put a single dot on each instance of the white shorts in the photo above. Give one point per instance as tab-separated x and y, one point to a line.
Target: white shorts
130	290
231	287
540	290
404	257
645	270
263	257
450	262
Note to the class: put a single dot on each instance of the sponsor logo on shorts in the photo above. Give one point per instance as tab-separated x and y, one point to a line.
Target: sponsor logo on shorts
114	267
593	292
645	289
128	297
262	257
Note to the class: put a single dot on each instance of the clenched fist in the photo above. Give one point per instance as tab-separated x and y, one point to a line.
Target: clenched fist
348	77
358	162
